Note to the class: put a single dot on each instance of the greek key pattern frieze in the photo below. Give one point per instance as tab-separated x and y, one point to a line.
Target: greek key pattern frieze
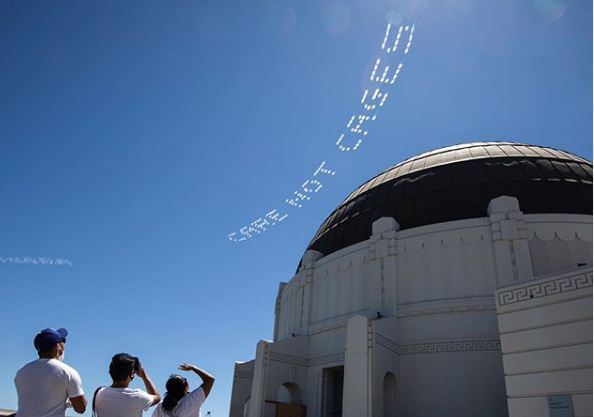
546	288
288	359
300	361
452	346
321	360
438	347
244	374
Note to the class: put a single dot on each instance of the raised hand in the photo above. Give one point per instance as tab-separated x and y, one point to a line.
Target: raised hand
139	369
207	379
186	367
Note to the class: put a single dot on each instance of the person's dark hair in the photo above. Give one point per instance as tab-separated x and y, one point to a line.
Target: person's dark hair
46	353
176	389
121	366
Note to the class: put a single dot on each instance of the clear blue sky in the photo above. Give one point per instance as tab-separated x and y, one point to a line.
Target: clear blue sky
135	135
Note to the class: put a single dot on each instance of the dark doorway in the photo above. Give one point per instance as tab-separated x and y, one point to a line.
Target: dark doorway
332	394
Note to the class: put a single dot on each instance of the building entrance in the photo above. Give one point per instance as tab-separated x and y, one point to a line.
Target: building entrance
332	394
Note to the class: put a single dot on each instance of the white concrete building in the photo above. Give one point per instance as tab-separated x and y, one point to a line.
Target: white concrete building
410	289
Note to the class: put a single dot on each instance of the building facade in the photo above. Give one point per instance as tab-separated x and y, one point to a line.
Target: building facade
400	305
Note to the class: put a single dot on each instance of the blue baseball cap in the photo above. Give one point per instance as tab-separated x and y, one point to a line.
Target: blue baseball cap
47	338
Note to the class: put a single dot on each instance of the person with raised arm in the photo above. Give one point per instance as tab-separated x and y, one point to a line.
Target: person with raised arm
119	400
179	401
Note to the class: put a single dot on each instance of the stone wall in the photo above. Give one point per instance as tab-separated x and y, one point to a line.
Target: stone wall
546	339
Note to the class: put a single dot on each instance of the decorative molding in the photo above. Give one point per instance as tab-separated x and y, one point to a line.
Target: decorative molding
437	242
562	231
438	347
465	236
288	359
399	349
387	343
446	310
244	374
545	288
323	359
305	362
452	346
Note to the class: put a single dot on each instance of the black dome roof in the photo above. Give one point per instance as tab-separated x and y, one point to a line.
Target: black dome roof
457	182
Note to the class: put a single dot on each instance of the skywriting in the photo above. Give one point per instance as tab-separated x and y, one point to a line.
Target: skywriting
387	67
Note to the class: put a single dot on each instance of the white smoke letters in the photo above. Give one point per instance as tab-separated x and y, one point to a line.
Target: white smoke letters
357	128
32	260
303	194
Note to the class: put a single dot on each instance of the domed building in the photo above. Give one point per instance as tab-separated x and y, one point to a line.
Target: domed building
455	283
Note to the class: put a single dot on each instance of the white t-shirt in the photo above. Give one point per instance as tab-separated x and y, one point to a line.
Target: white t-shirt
188	406
122	402
44	385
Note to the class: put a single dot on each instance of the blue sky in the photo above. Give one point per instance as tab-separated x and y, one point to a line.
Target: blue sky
135	136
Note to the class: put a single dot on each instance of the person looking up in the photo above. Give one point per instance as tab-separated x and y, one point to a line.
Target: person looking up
47	386
119	400
179	401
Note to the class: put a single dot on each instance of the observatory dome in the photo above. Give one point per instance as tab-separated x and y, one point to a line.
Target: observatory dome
457	182
455	283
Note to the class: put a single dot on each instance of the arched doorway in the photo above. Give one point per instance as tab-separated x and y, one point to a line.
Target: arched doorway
290	393
289	401
390	395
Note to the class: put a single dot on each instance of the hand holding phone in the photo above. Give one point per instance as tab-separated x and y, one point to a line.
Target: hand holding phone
138	369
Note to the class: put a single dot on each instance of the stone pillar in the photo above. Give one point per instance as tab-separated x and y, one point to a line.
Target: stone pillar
258	394
242	387
510	241
277	310
356	400
308	264
383	247
236	405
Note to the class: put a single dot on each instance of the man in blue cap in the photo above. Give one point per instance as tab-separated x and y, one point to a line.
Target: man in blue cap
46	385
